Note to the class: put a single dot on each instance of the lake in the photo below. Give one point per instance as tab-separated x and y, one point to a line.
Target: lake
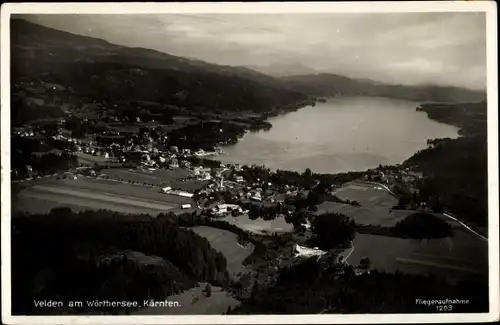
343	134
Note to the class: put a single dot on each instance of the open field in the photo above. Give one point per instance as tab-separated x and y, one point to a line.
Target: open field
88	159
92	193
159	177
90	199
227	243
374	215
216	304
368	195
29	202
366	215
376	204
259	226
460	257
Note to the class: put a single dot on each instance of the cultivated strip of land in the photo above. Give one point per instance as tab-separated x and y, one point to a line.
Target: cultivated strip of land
103	196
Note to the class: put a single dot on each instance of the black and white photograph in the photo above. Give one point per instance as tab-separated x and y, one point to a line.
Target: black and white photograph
249	162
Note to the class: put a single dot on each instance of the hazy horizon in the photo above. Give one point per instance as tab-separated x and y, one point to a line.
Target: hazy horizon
446	49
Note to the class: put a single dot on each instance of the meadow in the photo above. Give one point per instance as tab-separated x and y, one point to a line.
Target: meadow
227	243
92	193
259	226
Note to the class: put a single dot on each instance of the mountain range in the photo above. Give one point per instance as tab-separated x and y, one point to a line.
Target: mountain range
98	70
325	84
106	72
283	69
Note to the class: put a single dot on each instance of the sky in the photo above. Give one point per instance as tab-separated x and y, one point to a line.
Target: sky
405	48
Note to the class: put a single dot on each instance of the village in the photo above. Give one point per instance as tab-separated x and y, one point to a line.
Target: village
140	155
222	188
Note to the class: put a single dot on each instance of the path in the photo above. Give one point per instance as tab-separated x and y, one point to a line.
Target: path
465	226
444	214
352	250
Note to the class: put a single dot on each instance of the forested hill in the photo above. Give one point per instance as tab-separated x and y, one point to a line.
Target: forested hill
104	72
456	170
103	255
331	84
283	69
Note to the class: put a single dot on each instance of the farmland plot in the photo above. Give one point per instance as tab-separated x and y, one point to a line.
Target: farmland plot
460	257
259	226
227	243
90	193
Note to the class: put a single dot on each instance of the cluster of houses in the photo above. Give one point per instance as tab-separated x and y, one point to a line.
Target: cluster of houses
23	131
390	176
41	93
223	209
148	153
239	190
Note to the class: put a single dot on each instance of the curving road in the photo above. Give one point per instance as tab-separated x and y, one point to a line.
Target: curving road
444	214
465	226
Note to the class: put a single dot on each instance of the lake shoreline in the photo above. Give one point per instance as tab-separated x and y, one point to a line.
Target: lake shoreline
377	156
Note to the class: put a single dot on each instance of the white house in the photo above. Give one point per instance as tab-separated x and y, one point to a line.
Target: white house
185	194
256	197
226	208
307	252
174	163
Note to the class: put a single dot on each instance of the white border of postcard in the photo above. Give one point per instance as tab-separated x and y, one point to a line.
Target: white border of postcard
489	7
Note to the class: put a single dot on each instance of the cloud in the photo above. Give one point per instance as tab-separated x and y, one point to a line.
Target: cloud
421	64
408	48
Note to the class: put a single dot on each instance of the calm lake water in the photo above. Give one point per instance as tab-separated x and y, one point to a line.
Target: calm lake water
343	134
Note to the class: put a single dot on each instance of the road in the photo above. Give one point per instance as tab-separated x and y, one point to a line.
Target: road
378	185
348	255
444	214
465	226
